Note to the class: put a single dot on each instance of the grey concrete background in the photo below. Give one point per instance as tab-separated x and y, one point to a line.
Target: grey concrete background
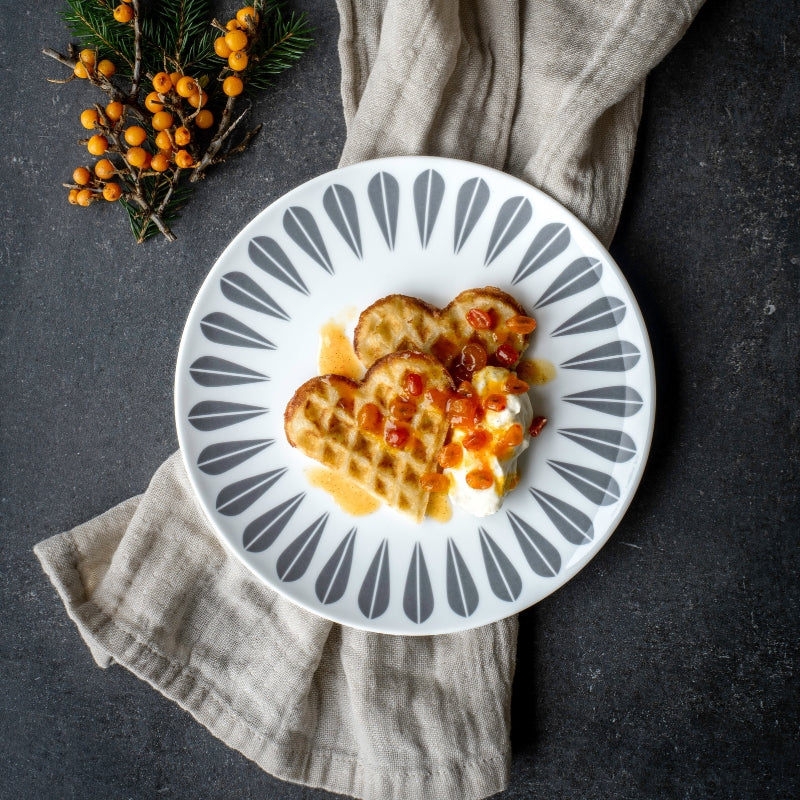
668	667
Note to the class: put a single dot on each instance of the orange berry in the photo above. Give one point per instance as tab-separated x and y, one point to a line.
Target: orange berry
97	145
182	136
84	197
198	99
174	77
434	482
112	191
162	82
114	110
153	103
479	479
160	162
80	71
81	176
104	169
233	25
237	61
162	120
89	118
73	197
137	156
123	13
204	119
163	141
232	86
221	48
183	159
87	57
106	67
248	11
127	1
236	40
186	86
135	135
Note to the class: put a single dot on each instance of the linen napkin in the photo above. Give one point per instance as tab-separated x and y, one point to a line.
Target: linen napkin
552	92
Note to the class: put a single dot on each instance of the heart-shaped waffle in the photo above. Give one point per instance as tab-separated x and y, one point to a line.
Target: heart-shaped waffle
400	322
383	433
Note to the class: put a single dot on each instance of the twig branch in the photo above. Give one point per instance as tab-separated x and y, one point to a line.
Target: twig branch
68	62
136	76
224	130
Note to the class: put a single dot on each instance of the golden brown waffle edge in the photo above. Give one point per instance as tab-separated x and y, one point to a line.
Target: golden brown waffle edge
402	322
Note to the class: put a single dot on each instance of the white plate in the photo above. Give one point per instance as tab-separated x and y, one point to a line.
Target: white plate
427	227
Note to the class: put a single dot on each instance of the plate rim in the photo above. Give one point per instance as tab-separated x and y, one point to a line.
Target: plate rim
426	161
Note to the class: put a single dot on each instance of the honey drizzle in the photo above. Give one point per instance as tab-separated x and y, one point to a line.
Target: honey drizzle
536	371
348	496
336	354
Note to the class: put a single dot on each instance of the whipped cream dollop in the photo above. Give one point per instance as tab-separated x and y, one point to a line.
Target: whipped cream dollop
496	457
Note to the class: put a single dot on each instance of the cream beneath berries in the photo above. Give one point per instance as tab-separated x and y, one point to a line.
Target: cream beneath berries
487	469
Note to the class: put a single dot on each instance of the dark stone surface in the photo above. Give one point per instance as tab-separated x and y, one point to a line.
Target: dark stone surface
668	667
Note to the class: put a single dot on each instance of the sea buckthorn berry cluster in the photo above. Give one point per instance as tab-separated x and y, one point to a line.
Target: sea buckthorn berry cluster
88	66
88	186
234	46
488	345
173	121
401	411
165	122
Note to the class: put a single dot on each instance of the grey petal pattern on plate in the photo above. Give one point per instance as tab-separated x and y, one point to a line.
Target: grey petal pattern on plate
244	291
571	523
332	580
313	250
619	401
211	415
383	191
600	314
617	356
595	486
239	496
218	458
340	205
373	597
296	558
471	202
268	255
513	216
579	276
418	592
549	243
213	371
541	555
428	194
503	577
612	445
222	328
300	224
462	594
264	530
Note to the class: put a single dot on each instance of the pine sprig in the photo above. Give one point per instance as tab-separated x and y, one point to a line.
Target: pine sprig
155	192
181	34
93	24
280	48
142	57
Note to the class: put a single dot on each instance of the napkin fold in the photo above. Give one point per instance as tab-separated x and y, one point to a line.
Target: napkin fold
552	92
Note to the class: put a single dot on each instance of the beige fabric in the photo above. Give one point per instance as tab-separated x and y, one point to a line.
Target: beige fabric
551	90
